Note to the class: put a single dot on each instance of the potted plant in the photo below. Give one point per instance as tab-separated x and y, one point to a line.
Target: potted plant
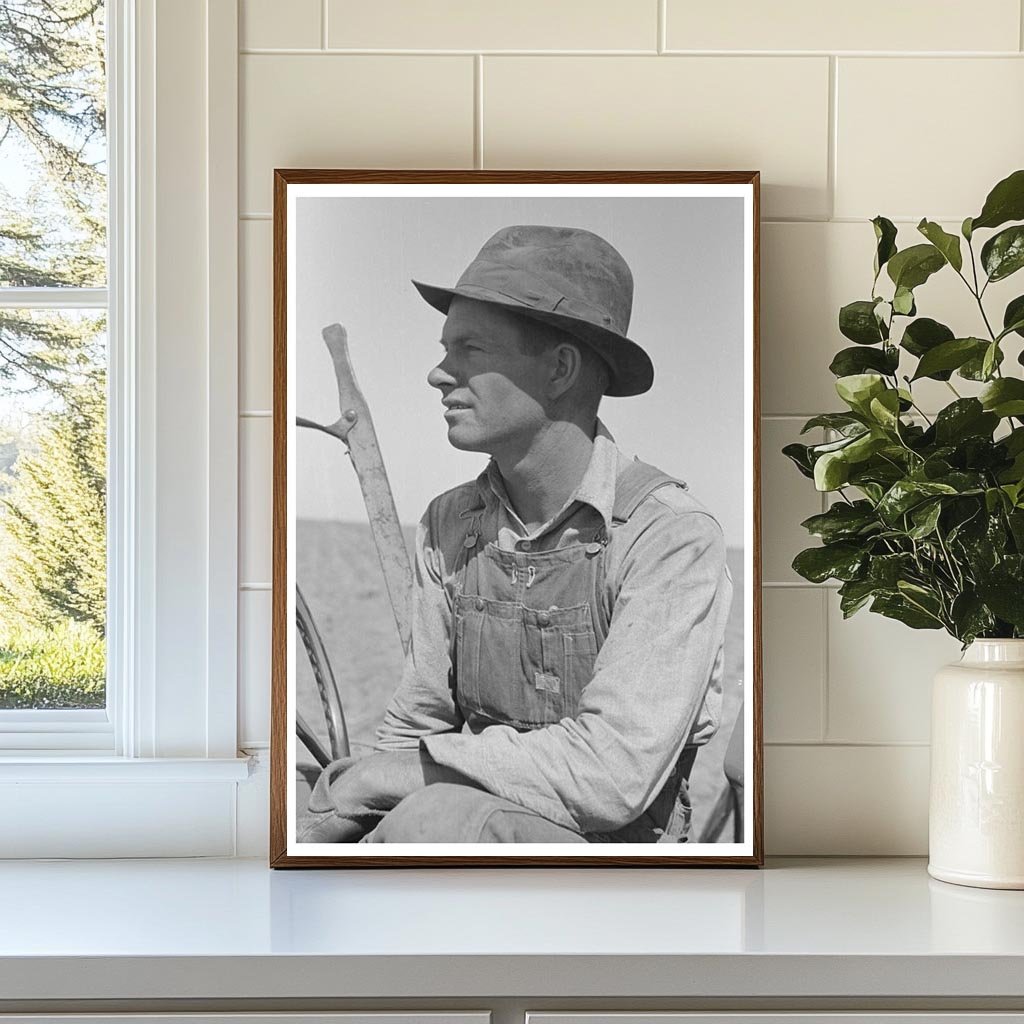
927	521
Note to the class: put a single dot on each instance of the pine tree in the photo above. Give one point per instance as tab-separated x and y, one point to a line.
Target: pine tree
53	122
53	234
53	520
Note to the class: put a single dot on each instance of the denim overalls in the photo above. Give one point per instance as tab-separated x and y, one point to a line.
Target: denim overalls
528	628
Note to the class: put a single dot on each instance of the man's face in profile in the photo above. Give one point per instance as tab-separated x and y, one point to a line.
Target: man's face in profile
492	385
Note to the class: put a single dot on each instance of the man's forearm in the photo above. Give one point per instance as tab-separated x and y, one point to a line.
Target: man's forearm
350	802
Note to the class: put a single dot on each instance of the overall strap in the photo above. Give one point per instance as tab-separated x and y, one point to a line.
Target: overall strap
633	484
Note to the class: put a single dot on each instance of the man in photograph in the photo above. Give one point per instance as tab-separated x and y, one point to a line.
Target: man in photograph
569	604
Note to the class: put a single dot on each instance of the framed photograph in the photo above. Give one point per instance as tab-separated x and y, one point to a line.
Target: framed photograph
516	562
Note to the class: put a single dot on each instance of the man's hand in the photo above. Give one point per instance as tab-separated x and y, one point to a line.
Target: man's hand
351	796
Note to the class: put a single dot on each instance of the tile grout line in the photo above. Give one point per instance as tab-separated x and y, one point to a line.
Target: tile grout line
1020	24
833	134
846	744
323	24
478	111
662	28
768	55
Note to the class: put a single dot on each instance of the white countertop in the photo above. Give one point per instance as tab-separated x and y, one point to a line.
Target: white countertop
235	929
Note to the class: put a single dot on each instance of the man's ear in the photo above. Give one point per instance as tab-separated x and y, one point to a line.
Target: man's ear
566	367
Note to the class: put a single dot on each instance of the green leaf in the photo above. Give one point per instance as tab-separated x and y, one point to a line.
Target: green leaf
841	421
1004	397
905	494
974	368
899	608
925	518
887	570
854	594
1003	254
831	471
965	228
912	267
1005	202
885	409
885	236
799	455
903	302
843	521
849	361
840	561
966	417
1006	598
970	617
858	389
1013	317
857	321
924	334
991	360
947	244
948	356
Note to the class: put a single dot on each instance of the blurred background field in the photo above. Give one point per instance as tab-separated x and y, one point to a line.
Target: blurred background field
338	571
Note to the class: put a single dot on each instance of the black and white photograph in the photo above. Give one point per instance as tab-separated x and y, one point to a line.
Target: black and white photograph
515	503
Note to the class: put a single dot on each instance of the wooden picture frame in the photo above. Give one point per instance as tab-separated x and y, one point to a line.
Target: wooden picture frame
346	244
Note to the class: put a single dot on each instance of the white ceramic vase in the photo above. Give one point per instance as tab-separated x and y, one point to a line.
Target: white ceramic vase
976	814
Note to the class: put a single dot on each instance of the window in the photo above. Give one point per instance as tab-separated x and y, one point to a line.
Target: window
154	771
53	371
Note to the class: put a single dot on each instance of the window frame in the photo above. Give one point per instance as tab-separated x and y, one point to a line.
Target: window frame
172	466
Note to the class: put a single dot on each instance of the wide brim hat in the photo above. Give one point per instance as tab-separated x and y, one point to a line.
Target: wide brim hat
566	277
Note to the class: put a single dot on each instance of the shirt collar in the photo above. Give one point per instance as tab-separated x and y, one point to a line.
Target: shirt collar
596	489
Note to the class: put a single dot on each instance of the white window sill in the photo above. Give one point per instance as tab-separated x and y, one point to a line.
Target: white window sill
81	806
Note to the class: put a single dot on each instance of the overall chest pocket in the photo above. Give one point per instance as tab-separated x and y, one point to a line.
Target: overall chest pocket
522	666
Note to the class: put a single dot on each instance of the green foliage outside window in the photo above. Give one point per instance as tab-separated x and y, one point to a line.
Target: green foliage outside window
52	364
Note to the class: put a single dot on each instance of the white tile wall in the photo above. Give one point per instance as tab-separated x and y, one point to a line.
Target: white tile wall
328	110
254	664
794	663
471	25
260	24
256	306
877	25
971	110
255	515
700	113
921	121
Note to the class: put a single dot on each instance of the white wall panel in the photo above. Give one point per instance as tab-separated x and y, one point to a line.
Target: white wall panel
256	305
688	113
351	111
256	512
260	24
868	25
471	25
794	663
961	130
846	800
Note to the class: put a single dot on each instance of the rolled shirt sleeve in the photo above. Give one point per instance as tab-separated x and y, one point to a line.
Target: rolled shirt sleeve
601	770
423	702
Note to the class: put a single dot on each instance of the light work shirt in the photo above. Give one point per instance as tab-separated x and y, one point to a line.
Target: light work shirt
656	685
